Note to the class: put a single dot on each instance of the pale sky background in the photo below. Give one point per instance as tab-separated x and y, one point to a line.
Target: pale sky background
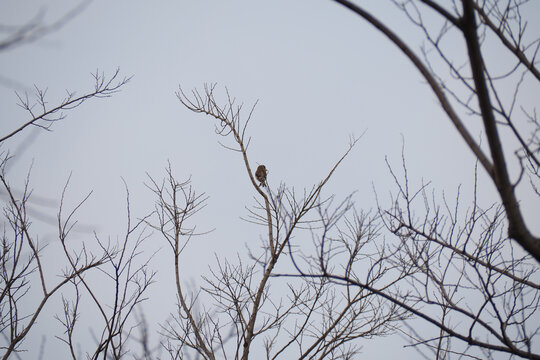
320	74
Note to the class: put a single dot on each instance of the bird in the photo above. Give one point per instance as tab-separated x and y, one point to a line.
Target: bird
260	174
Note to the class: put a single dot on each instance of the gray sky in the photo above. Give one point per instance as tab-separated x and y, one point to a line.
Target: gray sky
320	74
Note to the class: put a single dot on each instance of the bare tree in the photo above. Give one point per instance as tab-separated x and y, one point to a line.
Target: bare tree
468	271
121	272
21	260
28	283
458	268
25	277
453	268
27	280
235	310
480	91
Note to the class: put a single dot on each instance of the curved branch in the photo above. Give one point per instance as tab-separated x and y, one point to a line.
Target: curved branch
486	163
516	225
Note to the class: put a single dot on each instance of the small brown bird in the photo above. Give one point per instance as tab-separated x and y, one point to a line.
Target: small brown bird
260	174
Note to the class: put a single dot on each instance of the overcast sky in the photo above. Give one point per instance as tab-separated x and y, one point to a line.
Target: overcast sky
320	74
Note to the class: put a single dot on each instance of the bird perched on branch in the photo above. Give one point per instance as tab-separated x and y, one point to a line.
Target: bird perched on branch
260	174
